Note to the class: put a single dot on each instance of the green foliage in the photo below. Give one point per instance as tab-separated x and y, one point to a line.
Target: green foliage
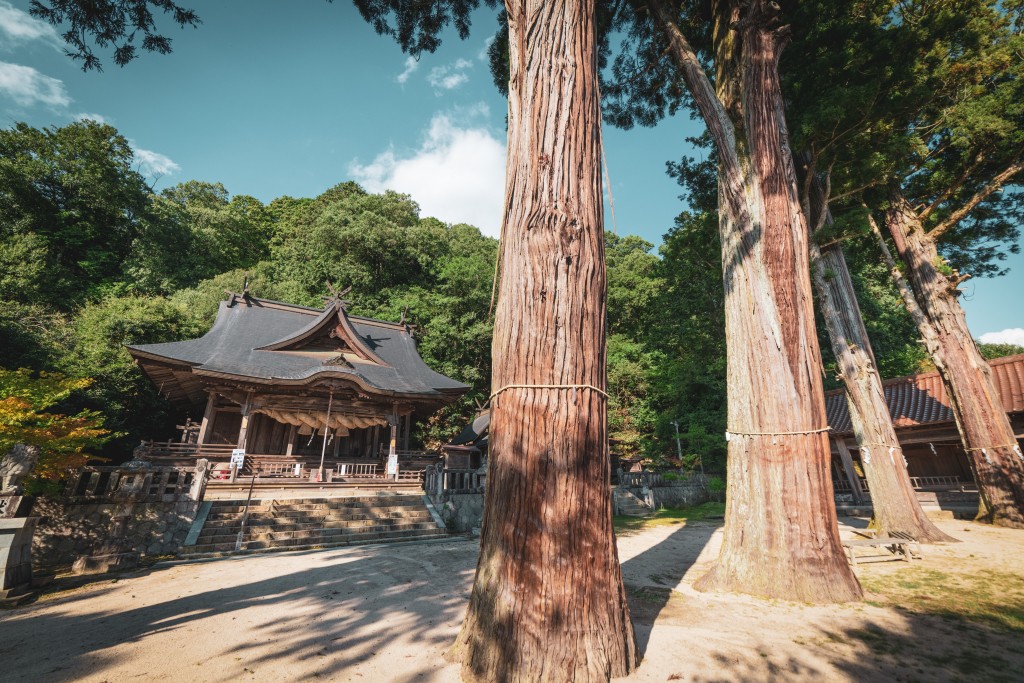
117	25
193	232
939	122
993	351
101	331
24	419
70	206
716	484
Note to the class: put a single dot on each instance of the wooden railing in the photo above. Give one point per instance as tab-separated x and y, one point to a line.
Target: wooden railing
152	484
651	479
918	484
438	480
921	483
357	470
177	449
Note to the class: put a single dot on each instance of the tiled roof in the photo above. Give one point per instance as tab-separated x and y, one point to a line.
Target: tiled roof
921	399
251	340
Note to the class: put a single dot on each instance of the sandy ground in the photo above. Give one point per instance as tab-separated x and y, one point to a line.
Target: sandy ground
387	613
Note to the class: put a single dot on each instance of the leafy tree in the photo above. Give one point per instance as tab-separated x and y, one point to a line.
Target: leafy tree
133	405
70	204
194	232
63	440
112	24
936	136
993	351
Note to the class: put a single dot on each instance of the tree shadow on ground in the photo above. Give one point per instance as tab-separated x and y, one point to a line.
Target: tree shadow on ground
649	594
922	648
333	613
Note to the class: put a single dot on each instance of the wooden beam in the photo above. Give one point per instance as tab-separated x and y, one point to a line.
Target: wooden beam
851	472
207	419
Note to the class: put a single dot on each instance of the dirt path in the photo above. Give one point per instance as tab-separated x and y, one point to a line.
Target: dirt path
388	613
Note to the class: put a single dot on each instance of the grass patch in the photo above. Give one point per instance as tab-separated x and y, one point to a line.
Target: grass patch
669	517
994	598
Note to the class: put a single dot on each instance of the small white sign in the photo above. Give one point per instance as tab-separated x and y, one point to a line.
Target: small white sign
238	458
392	465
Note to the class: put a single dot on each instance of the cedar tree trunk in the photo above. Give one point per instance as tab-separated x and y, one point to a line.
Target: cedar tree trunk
893	501
548	603
781	534
984	426
894	504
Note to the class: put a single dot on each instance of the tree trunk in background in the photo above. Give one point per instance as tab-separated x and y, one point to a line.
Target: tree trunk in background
894	504
984	426
548	603
781	534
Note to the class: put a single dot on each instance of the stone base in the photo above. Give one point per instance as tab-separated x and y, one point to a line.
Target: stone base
104	564
16	555
15	506
111	556
15	596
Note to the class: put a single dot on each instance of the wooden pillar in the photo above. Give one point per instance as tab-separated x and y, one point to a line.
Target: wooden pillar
375	442
243	431
405	432
292	429
204	428
851	473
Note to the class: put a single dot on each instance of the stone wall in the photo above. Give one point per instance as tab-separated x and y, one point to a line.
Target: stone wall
69	530
659	492
461	512
157	506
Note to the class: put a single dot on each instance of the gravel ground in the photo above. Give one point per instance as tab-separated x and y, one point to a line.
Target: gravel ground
387	613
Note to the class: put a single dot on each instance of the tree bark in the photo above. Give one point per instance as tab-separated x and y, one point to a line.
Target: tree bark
973	398
781	535
894	504
548	602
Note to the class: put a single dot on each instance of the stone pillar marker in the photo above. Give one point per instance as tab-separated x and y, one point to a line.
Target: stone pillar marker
16	527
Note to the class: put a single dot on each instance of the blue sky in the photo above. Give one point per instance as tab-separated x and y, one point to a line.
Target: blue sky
272	98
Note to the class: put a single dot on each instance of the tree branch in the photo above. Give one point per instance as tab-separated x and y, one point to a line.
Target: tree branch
994	185
953	187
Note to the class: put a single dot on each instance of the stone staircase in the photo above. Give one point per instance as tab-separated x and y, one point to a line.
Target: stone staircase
305	523
625	503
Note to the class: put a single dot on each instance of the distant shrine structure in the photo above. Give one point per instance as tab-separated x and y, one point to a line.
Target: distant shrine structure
291	387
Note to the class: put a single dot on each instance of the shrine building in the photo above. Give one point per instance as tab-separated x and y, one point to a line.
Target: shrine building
292	386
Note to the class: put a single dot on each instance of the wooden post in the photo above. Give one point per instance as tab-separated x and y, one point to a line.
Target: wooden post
851	472
291	439
393	447
375	443
211	402
405	432
242	431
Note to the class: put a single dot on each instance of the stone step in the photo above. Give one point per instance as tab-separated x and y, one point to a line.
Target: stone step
325	520
223	535
200	551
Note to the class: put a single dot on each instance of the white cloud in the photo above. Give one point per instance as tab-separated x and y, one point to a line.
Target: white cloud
26	86
1011	335
88	116
450	76
482	55
153	163
456	175
20	27
410	65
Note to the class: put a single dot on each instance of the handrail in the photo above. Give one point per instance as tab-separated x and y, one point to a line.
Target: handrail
245	514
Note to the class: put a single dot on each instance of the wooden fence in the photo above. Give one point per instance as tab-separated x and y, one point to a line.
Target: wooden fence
439	480
148	485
